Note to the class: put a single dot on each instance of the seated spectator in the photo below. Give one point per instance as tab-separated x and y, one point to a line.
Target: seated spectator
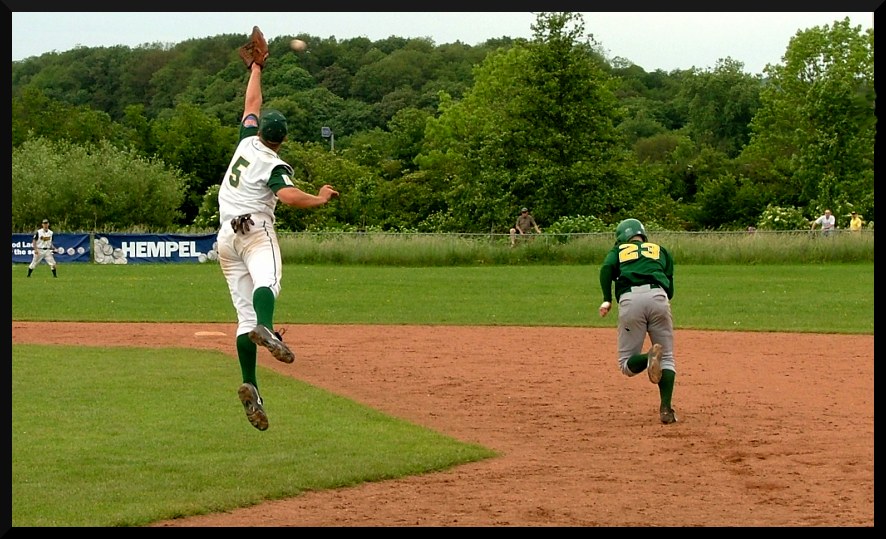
525	225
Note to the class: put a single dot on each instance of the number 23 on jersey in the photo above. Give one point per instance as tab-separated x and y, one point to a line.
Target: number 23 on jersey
632	251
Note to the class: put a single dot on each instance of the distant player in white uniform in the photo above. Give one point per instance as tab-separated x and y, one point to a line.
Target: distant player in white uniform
248	252
43	248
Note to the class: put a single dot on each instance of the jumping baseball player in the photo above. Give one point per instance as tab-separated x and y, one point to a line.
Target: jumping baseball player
43	248
248	252
643	273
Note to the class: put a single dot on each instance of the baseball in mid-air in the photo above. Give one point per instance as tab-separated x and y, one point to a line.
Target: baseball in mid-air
298	45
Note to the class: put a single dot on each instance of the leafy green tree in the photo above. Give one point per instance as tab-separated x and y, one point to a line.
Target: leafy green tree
659	148
314	165
394	101
536	129
191	141
323	54
139	129
34	114
578	224
812	141
93	77
721	103
336	79
402	199
136	87
569	115
208	214
728	202
92	188
657	93
354	116
287	78
454	144
412	202
453	64
407	129
457	137
401	68
354	53
220	97
642	123
706	165
62	77
391	151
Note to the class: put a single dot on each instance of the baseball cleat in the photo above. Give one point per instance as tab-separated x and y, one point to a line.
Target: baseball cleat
265	337
252	403
653	366
668	416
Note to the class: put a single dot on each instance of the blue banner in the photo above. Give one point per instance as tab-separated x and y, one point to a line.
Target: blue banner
143	248
68	248
121	248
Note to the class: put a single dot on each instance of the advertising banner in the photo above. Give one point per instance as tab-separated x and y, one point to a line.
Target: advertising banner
121	248
146	248
68	248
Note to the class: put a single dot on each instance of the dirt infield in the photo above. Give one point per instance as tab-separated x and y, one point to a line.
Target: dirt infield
775	429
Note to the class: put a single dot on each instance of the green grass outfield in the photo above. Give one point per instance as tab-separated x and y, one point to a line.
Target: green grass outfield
826	297
171	440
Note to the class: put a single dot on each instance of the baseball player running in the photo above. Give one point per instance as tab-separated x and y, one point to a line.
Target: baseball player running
248	252
43	248
643	273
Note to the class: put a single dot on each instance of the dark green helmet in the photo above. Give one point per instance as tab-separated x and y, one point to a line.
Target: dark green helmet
272	126
628	229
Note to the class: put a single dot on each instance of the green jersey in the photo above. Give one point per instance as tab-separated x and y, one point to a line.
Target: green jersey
636	263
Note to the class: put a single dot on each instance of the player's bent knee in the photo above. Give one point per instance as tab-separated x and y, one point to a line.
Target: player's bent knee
625	370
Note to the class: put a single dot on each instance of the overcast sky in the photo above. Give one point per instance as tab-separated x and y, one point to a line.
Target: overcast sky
666	40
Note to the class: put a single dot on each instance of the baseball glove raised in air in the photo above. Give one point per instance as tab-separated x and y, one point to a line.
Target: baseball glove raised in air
255	50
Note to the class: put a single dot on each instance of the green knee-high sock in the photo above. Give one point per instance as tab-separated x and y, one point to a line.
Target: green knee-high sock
263	303
666	387
638	362
246	353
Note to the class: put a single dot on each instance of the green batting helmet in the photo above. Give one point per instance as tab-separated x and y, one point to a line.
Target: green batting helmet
628	229
272	126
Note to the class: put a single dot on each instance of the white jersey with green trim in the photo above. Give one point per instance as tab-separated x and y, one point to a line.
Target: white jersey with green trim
244	188
43	239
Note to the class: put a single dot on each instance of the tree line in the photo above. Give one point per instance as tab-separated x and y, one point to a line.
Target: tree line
452	137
